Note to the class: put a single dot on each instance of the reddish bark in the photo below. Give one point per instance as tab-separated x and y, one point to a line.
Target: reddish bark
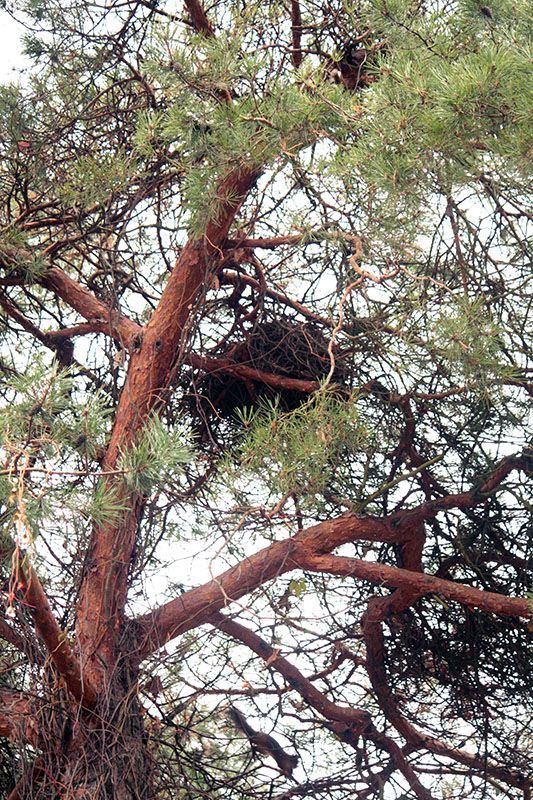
152	361
85	303
47	627
199	19
17	717
348	723
9	635
228	367
306	551
296	28
417	584
354	717
479	493
101	318
194	607
379	608
25	323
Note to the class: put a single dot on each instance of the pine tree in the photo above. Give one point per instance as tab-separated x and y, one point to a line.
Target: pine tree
264	509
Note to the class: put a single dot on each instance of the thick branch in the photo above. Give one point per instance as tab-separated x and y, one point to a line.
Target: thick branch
9	635
58	341
103	319
417	582
479	493
199	18
361	720
379	608
375	652
195	607
152	361
55	639
25	323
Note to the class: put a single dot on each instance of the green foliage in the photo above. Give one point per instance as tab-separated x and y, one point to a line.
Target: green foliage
47	429
207	137
45	417
155	457
17	255
95	179
112	151
471	342
439	114
297	451
297	587
105	505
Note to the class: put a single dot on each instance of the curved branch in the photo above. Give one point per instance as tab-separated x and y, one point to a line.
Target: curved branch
104	319
347	723
417	583
375	648
195	607
301	551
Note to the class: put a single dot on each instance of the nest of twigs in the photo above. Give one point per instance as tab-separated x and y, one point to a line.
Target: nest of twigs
281	347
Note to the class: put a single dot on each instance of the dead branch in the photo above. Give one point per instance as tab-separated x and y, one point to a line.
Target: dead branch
264	743
348	723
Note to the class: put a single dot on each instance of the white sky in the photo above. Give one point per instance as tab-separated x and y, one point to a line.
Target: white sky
10	48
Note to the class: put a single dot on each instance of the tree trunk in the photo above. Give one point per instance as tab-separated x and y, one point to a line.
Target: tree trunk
98	755
110	759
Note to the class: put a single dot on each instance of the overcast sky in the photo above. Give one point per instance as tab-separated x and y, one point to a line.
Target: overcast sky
10	47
